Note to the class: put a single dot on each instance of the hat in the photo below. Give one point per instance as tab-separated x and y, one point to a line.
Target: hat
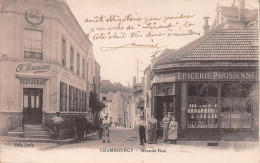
165	113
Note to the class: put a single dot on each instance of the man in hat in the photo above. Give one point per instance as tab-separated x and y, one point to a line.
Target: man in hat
142	130
57	123
106	124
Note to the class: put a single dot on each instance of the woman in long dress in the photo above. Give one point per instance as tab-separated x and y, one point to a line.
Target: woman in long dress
165	122
173	130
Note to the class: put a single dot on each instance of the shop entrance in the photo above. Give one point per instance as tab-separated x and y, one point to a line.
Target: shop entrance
32	106
163	104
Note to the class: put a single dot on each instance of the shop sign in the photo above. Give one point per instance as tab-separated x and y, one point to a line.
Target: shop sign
217	75
166	77
34	17
32	81
29	67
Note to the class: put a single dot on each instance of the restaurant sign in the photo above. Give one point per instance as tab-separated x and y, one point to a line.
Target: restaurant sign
33	81
205	75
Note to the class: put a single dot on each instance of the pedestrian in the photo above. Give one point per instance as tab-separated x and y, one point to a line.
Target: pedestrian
86	127
57	123
106	124
142	130
152	127
173	130
100	127
80	126
165	122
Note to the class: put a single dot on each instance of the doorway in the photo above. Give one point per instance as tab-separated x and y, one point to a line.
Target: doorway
163	104
32	106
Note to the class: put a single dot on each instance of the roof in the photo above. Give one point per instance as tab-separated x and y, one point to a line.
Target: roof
218	45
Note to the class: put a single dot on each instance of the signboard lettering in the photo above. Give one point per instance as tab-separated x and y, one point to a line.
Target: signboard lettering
35	68
33	81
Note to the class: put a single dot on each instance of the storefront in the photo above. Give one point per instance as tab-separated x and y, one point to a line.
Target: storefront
209	105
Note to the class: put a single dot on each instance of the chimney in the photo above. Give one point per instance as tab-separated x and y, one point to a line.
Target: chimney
206	26
241	9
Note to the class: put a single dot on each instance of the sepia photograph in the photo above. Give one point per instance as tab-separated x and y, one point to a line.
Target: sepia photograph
129	81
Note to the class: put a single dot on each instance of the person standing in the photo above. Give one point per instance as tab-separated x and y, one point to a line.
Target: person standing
173	130
142	130
165	122
152	127
106	124
57	124
80	126
100	127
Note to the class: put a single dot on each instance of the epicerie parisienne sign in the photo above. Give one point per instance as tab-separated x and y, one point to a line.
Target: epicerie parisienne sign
209	75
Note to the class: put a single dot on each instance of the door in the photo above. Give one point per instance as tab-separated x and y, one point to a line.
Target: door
32	105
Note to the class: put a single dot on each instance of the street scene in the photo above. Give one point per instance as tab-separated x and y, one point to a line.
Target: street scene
128	81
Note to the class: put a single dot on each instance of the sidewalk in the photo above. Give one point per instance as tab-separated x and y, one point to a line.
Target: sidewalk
59	142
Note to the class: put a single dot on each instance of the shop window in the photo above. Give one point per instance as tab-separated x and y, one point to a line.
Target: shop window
63	96
236	105
32	43
63	51
202	105
165	89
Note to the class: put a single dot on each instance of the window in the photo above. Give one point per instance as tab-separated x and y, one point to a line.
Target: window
84	109
83	68
236	105
32	43
63	51
92	68
63	96
202	105
71	58
71	98
165	89
75	99
78	63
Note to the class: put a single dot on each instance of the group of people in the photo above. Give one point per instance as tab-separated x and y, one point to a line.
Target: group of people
170	129
82	126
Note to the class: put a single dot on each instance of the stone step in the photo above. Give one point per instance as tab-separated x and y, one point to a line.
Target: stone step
37	132
38	136
15	134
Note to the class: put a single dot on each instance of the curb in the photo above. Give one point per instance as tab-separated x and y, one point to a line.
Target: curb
59	142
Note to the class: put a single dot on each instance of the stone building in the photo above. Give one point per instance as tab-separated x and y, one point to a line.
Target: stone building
212	84
44	64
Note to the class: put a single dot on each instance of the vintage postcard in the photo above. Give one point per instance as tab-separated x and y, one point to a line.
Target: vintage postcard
129	81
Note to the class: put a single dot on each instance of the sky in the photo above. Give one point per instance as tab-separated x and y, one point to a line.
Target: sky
120	65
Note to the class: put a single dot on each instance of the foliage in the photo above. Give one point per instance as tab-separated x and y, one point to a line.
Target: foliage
107	86
94	103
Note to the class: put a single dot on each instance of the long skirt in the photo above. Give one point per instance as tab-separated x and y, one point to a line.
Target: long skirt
152	137
172	135
165	131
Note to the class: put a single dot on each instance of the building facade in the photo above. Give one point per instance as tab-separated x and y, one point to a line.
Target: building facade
212	85
43	64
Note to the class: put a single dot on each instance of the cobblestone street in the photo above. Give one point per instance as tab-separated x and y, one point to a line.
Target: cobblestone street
128	140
